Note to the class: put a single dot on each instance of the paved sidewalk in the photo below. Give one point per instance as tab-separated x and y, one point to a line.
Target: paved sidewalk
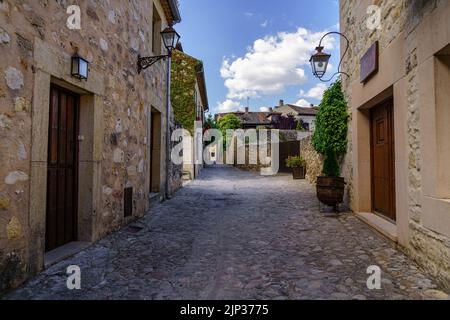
238	235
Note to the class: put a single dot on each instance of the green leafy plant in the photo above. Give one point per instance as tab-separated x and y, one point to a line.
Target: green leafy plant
210	122
330	164
330	136
295	162
228	122
183	79
300	126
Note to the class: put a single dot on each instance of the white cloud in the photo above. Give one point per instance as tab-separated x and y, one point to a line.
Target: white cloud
315	92
229	106
272	64
265	24
264	109
303	103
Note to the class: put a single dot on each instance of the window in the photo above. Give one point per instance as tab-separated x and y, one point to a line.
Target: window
156	32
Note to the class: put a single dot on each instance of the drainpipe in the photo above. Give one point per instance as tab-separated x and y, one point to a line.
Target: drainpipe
168	118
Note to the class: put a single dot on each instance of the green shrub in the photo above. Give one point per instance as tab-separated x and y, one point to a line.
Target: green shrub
330	135
228	122
330	164
295	162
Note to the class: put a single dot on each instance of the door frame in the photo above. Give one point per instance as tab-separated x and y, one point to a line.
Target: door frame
76	177
391	132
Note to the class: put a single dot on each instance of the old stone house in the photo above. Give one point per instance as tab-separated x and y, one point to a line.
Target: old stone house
78	158
307	116
268	119
190	103
398	166
251	119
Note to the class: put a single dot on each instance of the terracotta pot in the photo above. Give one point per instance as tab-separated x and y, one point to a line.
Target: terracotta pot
330	190
299	173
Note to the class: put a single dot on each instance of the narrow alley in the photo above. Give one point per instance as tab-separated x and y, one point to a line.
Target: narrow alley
238	235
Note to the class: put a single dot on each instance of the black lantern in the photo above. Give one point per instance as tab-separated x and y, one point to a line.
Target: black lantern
80	67
170	38
319	62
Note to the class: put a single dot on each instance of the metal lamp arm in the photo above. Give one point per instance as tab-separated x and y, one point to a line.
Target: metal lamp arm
342	58
146	62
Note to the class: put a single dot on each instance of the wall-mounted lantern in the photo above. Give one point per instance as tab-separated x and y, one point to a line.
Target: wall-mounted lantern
319	60
170	38
80	67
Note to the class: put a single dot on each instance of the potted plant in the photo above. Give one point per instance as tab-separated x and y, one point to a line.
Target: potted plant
298	165
330	140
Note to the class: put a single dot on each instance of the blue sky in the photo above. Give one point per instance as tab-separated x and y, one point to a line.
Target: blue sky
258	49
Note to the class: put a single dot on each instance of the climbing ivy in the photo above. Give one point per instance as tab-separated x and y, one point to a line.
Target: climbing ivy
183	79
330	135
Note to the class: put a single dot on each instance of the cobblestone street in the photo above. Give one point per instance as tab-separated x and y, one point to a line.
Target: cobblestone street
237	235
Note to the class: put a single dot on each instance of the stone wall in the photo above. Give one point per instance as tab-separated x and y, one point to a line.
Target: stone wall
397	33
314	161
113	34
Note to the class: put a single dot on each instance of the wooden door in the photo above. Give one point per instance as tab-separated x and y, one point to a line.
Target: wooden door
62	170
383	160
155	156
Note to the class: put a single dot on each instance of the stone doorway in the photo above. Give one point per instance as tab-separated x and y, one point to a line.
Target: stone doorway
62	169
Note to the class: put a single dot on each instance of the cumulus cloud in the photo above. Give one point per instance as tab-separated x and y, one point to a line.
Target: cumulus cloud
271	64
315	92
303	103
264	109
229	106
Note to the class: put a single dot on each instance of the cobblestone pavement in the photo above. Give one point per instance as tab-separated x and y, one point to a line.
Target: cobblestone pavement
238	235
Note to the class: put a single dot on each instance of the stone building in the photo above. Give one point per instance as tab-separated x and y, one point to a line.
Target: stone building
78	158
398	166
307	116
190	103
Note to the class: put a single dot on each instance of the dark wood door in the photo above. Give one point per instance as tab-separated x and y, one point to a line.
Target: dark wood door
383	160
62	170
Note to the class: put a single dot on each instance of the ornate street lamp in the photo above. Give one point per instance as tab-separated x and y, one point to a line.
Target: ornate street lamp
80	67
170	38
319	60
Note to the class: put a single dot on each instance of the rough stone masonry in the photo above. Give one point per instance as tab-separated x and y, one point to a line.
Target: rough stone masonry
35	50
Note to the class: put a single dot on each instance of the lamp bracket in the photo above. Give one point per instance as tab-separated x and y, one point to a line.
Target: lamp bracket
146	62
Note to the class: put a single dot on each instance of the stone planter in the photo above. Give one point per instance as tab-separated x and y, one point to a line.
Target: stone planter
299	173
330	191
